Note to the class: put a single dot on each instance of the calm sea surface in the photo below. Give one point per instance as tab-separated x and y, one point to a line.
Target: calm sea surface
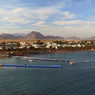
76	79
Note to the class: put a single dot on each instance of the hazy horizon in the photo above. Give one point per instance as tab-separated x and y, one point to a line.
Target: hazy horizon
57	17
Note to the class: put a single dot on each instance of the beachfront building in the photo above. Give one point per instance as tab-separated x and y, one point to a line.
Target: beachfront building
36	46
1	48
22	43
48	44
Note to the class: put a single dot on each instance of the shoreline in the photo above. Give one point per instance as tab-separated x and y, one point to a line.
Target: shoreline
6	54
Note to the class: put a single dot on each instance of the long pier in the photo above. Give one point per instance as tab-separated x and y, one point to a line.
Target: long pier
31	66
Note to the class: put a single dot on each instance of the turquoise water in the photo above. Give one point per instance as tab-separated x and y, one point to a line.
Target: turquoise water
76	79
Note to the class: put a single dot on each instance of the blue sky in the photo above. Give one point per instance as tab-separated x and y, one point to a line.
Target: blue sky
50	17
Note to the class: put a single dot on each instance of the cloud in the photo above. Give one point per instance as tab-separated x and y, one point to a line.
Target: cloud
74	23
68	15
27	15
53	18
11	16
8	28
78	28
67	31
39	23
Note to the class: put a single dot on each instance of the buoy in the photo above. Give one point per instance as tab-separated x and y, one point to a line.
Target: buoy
71	63
0	65
25	57
30	60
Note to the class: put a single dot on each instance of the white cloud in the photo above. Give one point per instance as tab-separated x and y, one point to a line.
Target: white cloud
7	28
35	18
86	29
11	16
39	23
74	23
68	15
26	15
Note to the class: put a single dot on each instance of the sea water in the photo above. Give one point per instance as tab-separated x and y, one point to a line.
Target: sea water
76	79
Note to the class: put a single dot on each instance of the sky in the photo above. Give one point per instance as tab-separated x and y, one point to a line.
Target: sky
64	18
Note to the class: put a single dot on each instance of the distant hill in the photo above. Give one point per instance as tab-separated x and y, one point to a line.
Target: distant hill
37	35
19	34
90	38
34	35
73	38
9	36
53	37
31	36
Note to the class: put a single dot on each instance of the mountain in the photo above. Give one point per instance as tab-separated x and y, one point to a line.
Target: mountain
19	34
90	38
31	36
37	35
9	36
34	35
53	37
73	38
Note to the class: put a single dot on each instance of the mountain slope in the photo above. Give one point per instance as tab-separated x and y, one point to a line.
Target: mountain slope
31	36
73	38
9	36
34	35
90	38
37	35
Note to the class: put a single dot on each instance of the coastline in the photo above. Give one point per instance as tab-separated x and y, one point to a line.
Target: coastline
10	48
6	54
